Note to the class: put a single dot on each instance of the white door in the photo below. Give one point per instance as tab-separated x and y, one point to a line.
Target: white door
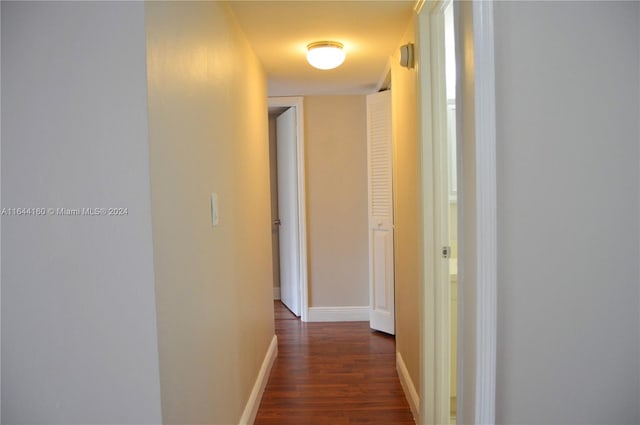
286	130
380	161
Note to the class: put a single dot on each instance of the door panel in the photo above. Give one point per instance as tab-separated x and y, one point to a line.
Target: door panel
380	160
286	133
275	228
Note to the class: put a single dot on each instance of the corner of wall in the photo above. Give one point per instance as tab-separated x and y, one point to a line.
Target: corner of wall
408	387
406	192
253	403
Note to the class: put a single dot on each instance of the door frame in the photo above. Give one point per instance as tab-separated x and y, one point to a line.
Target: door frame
297	103
477	232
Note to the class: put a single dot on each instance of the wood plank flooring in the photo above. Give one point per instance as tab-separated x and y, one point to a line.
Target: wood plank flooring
332	374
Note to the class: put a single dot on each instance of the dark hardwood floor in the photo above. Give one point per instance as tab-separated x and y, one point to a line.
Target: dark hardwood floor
332	374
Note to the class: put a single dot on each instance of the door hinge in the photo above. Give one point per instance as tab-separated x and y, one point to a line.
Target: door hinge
446	252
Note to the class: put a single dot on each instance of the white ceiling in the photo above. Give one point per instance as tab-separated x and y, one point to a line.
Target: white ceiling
279	32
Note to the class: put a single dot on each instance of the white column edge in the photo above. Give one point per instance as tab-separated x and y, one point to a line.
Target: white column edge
486	165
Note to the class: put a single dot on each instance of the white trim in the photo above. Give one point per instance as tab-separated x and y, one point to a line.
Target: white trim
427	327
486	216
339	314
478	289
440	175
276	292
407	386
435	366
297	103
251	408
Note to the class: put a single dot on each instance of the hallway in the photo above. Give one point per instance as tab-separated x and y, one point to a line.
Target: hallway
332	373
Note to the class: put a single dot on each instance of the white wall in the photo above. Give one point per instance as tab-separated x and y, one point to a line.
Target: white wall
567	88
79	341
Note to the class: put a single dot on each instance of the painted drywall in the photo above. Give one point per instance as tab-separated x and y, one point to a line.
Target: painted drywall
79	338
567	81
0	214
208	134
406	210
336	160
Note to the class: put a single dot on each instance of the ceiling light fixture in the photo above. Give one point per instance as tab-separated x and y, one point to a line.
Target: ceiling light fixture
325	54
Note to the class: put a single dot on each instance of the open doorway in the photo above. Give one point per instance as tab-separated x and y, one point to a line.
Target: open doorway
475	206
438	100
275	217
288	204
452	195
335	214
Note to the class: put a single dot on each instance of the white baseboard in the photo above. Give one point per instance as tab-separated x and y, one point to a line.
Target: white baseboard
251	408
339	314
407	386
276	292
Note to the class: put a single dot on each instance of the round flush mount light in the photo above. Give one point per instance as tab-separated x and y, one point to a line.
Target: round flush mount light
325	54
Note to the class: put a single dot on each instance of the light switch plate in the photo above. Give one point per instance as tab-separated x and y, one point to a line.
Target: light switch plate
214	209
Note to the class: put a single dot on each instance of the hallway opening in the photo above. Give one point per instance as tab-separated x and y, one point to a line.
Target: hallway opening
332	373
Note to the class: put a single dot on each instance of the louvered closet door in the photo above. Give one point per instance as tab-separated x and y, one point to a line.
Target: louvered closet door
380	159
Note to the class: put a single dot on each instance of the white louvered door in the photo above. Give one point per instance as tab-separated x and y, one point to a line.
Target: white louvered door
380	161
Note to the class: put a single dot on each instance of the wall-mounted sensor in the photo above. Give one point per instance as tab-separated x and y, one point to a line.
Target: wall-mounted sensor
406	56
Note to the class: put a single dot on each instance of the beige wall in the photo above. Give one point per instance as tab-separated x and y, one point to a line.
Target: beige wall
208	133
336	160
406	211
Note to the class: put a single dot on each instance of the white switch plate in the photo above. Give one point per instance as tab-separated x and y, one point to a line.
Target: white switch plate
214	209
